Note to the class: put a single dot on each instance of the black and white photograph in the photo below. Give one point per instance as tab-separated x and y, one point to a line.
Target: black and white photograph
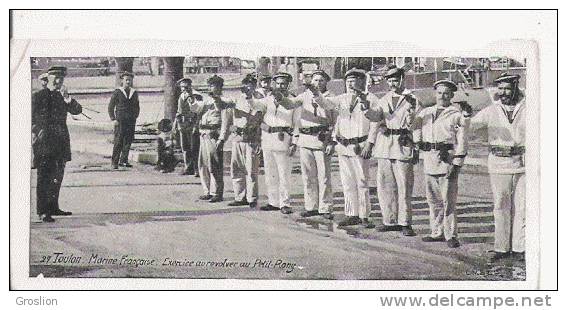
278	167
368	165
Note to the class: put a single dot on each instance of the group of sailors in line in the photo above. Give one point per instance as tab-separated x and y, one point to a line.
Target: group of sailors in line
357	125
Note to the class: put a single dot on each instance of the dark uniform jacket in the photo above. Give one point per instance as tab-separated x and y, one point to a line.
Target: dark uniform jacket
124	108
50	136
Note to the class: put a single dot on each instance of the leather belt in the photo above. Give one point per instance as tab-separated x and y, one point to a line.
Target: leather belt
244	130
402	131
438	146
507	151
347	142
313	130
210	127
285	129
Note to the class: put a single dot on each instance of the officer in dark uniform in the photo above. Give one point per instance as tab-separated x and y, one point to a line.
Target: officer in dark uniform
51	142
123	110
187	124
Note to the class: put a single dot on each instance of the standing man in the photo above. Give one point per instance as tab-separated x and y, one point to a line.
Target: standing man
277	147
187	124
51	142
354	135
313	133
43	80
440	132
265	83
506	124
245	160
395	153
123	110
214	131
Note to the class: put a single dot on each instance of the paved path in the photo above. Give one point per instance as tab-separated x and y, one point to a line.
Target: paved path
145	215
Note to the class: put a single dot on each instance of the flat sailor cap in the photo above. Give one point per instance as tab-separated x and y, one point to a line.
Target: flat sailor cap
506	77
126	73
43	76
57	71
186	80
283	75
321	73
393	71
450	84
358	73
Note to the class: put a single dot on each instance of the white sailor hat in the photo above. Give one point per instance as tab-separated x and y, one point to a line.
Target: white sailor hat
450	84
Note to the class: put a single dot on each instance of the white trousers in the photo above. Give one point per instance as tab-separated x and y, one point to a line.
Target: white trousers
210	165
394	186
278	175
244	165
354	177
509	211
316	175
441	194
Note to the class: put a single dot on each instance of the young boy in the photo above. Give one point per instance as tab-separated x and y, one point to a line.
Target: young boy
166	161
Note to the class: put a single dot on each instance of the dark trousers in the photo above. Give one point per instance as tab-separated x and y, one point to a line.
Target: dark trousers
49	178
166	160
190	147
123	137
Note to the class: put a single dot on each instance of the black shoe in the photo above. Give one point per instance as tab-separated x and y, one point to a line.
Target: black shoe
368	224
126	165
187	172
61	212
408	231
238	203
385	228
496	256
519	256
205	197
453	243
196	175
48	219
286	210
268	207
328	216
433	239
216	199
349	221
309	213
253	205
115	167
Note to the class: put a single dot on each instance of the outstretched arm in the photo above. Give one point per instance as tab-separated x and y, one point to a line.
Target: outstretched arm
257	104
291	103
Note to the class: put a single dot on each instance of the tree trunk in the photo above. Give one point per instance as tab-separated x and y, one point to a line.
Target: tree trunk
173	71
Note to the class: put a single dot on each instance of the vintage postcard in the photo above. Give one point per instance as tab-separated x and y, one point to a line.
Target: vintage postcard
239	166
